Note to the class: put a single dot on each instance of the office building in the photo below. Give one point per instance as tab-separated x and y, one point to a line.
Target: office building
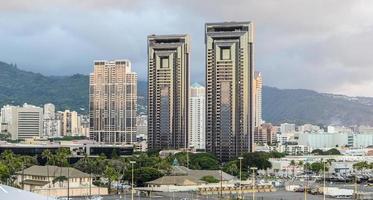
23	122
229	89
258	84
168	91
113	102
197	110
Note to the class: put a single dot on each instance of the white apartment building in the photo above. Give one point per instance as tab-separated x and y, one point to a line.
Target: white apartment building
197	116
310	128
287	128
332	140
52	125
23	122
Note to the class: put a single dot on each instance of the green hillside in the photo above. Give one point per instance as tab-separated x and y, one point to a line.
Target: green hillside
279	105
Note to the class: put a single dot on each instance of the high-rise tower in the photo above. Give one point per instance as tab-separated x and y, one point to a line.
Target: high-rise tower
113	102
258	84
168	91
229	88
197	110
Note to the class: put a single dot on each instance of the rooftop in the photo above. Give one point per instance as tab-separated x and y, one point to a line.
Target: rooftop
7	192
54	171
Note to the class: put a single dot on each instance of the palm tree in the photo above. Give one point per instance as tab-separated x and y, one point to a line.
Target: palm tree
292	163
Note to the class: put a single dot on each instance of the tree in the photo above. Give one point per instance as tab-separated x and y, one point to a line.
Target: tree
292	163
232	167
47	154
143	175
361	165
317	152
332	152
204	161
318	167
4	173
111	174
256	159
61	157
328	152
210	179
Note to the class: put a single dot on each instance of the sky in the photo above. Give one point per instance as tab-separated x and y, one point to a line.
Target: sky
323	45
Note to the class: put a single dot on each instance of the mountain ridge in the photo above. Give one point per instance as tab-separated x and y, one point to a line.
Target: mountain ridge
279	105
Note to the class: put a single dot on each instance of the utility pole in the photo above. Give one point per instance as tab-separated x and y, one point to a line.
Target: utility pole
305	184
324	195
240	158
221	181
68	183
132	190
253	180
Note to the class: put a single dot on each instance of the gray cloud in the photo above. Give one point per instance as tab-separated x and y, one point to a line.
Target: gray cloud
323	45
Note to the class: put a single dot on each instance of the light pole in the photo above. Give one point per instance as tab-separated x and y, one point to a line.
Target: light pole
240	158
253	169
305	182
132	163
324	195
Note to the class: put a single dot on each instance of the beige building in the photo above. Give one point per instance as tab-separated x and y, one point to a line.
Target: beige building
70	123
55	181
229	88
23	122
258	84
265	134
113	102
168	91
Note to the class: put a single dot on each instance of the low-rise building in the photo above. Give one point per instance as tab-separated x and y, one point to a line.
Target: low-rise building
56	181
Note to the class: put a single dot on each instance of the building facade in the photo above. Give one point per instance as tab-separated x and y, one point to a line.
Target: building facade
229	88
197	110
258	84
168	91
70	123
51	125
23	122
113	102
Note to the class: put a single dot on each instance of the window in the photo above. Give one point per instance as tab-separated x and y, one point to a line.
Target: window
225	53
164	62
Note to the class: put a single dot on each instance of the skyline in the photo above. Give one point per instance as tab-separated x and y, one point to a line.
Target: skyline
293	41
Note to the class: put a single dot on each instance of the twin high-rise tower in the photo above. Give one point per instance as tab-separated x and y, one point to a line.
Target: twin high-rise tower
229	90
168	91
229	101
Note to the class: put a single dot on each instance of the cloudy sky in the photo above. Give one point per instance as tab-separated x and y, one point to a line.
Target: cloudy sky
324	45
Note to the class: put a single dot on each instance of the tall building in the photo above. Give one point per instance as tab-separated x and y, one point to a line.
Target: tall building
70	123
51	125
197	134
168	91
113	102
23	122
265	134
258	84
49	111
229	88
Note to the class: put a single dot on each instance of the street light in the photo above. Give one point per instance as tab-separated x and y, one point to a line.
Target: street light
324	195
253	169
132	163
240	158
